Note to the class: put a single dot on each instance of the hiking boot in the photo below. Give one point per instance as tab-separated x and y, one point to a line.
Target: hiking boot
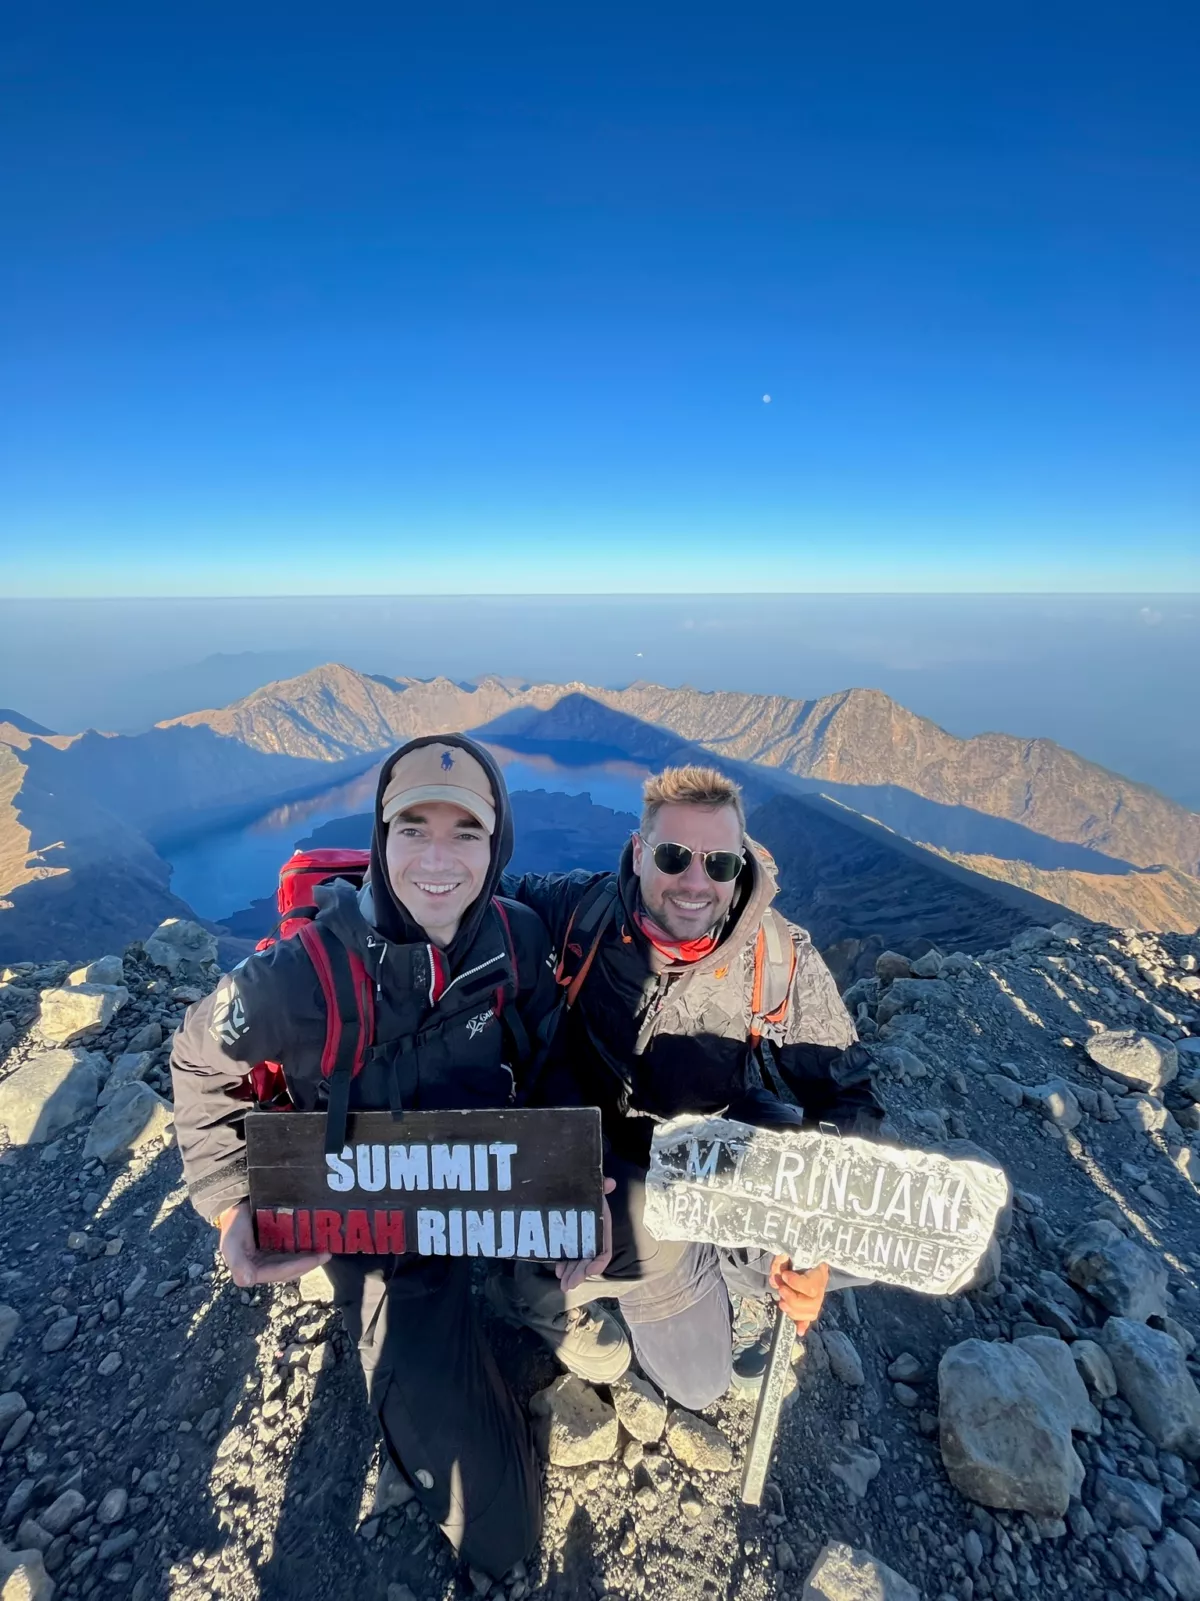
587	1340
753	1326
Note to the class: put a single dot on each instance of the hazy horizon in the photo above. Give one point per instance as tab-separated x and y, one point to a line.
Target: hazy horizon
1106	676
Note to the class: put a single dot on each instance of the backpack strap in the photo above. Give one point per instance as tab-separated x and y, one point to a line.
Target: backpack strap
774	969
585	930
349	1022
510	1019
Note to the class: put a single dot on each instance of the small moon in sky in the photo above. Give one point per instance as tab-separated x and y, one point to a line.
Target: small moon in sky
766	400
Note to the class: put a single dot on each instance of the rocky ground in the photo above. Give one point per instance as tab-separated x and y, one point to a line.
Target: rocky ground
163	1434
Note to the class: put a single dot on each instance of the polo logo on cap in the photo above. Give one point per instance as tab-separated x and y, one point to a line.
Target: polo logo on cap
447	760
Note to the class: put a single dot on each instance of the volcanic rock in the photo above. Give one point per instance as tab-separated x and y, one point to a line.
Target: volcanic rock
640	1408
1054	1358
48	1093
1152	1376
698	1444
1146	1061
78	1010
573	1424
841	1573
182	947
135	1116
106	970
1115	1271
1004	1431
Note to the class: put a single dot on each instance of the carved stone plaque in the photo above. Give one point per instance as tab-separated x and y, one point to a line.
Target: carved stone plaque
911	1218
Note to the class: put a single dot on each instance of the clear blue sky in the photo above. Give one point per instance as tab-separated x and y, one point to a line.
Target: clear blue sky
483	297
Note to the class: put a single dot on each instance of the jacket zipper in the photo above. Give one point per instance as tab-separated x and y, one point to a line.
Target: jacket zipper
471	971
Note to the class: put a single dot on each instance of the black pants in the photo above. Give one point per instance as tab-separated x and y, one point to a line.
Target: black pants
448	1418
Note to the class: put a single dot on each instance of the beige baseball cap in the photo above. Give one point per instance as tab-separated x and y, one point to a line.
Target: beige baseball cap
440	773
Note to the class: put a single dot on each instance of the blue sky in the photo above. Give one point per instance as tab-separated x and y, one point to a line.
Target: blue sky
480	298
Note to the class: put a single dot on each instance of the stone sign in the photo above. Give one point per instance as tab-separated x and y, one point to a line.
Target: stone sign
907	1217
505	1184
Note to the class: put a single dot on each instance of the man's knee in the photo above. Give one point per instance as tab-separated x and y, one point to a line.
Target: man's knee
688	1356
695	1391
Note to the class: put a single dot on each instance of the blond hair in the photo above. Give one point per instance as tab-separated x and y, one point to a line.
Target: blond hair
690	786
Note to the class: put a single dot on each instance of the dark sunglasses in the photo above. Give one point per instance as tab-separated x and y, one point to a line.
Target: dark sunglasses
721	866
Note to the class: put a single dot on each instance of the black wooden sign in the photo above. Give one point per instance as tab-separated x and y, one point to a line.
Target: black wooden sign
522	1184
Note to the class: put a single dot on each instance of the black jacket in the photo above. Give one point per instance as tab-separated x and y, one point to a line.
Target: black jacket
461	1050
648	1040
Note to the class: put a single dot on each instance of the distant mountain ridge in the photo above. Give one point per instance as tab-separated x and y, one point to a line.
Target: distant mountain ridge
93	808
857	739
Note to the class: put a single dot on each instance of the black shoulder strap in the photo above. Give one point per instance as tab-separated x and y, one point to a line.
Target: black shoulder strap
513	1028
585	930
348	1023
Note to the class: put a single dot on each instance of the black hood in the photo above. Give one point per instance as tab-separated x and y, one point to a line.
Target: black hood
388	914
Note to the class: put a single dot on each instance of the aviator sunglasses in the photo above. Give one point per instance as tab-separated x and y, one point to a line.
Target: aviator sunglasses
672	859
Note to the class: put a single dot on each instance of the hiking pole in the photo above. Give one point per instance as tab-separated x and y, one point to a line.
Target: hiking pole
770	1406
770	1397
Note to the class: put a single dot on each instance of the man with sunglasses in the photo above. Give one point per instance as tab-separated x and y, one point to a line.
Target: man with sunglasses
666	965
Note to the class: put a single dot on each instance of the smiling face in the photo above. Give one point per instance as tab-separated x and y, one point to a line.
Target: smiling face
437	860
688	904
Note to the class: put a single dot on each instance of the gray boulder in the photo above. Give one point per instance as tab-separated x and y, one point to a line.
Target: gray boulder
909	992
856	1467
1010	1093
131	1068
1152	1376
49	1093
1004	1430
10	1322
843	1357
134	1116
698	1444
317	1288
1175	1558
182	947
108	970
78	1010
1053	1356
1131	1503
23	1576
1056	1101
841	1573
147	1038
899	1060
572	1424
1145	1114
640	1408
1115	1271
890	965
1092	1361
929	965
1146	1061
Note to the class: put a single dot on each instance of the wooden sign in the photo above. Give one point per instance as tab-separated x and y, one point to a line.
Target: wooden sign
911	1218
520	1184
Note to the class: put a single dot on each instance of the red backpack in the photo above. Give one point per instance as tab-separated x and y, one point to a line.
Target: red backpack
298	878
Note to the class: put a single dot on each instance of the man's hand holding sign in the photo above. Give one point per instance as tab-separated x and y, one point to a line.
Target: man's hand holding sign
916	1219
